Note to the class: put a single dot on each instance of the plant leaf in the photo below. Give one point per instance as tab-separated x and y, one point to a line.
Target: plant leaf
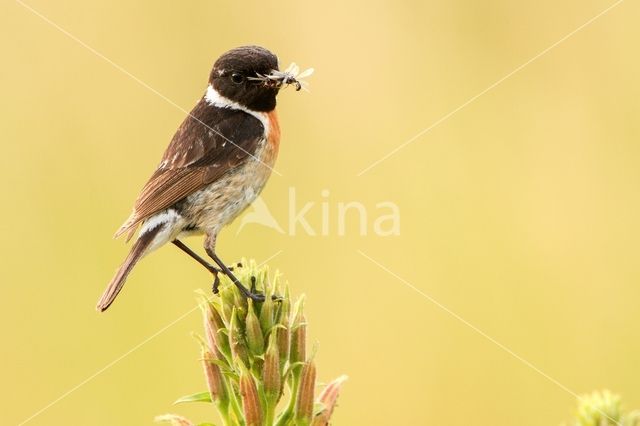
196	397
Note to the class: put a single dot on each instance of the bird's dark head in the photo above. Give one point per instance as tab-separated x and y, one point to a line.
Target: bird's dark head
248	75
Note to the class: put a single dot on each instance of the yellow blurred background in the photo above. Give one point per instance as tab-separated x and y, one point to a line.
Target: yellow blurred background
519	212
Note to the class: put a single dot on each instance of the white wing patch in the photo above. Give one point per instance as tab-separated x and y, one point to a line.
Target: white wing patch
171	223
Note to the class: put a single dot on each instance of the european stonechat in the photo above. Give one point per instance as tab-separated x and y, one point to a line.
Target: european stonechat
215	166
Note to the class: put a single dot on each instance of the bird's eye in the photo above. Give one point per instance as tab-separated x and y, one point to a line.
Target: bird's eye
237	78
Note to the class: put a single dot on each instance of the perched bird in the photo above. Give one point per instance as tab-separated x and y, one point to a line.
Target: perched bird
216	164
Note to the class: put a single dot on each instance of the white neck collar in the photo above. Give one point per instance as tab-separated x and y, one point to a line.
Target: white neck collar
216	99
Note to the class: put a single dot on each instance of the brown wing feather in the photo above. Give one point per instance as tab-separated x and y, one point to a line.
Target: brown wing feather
210	142
167	187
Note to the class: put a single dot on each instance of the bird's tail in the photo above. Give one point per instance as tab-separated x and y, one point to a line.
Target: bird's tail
137	251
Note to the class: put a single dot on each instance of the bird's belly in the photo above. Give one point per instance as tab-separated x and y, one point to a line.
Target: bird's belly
213	207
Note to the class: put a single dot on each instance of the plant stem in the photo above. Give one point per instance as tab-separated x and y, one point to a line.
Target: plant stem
235	405
269	414
287	414
224	414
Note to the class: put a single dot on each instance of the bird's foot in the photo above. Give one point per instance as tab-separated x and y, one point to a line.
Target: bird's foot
215	288
253	292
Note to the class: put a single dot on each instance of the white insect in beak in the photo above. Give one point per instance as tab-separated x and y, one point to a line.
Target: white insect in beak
291	75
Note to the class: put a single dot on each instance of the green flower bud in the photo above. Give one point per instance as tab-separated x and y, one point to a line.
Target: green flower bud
283	338
271	372
305	397
250	400
214	326
215	380
255	338
328	399
283	332
298	349
267	314
236	340
227	298
284	307
599	408
240	300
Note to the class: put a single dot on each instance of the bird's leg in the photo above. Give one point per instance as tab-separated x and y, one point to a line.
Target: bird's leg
209	245
215	271
245	291
182	246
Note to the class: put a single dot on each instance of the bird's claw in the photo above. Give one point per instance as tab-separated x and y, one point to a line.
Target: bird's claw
215	288
249	293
